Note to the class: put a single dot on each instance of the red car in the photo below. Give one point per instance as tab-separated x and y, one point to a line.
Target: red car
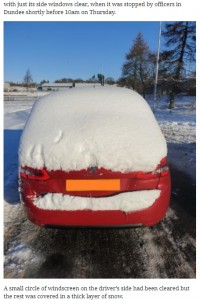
93	157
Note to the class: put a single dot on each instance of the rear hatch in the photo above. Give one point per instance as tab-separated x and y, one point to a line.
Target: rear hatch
92	182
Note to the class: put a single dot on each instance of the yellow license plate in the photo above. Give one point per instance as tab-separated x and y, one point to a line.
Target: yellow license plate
77	185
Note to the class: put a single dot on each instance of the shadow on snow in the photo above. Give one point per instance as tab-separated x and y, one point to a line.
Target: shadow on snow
11	145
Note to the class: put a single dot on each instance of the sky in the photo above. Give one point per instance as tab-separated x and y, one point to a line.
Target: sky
55	50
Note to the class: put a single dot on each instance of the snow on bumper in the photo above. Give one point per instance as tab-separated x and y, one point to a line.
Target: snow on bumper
125	202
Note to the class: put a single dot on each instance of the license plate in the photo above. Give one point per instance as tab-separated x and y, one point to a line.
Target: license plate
77	185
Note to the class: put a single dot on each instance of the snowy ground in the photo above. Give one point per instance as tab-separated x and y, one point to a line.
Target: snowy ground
179	128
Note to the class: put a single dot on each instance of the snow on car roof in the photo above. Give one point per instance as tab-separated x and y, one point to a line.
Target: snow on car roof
108	127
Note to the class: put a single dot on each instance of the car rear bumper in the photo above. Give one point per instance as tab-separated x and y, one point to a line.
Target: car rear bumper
147	217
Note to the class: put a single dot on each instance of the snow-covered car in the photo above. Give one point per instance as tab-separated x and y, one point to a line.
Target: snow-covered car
93	156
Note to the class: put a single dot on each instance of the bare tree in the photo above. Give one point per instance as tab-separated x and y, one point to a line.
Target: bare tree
28	79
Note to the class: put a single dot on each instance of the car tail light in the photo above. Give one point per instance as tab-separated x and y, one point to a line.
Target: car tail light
35	174
161	170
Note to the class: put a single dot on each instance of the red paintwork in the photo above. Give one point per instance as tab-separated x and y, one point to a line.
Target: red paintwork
132	181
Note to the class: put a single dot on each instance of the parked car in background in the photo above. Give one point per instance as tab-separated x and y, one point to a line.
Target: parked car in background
93	157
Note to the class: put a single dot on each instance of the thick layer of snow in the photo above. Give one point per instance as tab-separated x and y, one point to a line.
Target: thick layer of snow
107	127
126	202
